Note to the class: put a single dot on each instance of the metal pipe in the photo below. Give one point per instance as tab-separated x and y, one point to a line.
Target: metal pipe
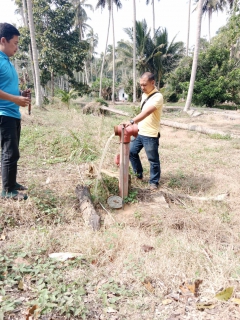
125	134
122	167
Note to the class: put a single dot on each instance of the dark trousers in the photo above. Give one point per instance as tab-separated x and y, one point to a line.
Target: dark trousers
10	129
150	145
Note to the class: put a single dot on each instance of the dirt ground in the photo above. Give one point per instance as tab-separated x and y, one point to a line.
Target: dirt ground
173	249
193	164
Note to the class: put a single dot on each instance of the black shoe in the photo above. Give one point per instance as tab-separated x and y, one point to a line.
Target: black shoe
19	187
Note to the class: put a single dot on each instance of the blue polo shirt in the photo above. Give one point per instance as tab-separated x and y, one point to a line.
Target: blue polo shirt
9	83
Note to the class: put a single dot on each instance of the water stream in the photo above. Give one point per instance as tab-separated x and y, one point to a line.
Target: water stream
101	162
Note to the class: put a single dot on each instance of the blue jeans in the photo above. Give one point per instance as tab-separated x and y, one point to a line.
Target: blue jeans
150	145
10	129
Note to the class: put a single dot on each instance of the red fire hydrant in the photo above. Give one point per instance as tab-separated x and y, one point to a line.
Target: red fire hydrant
122	160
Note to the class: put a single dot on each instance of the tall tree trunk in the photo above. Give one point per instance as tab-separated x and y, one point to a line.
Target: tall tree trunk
25	17
86	74
25	21
153	11
159	79
113	53
134	51
35	54
91	71
209	24
101	74
195	57
52	87
189	20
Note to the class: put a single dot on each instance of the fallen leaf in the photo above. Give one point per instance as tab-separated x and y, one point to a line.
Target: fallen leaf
62	256
197	284
202	306
4	274
91	170
225	295
184	288
110	310
2	237
21	285
235	300
167	301
147	248
149	286
32	311
192	287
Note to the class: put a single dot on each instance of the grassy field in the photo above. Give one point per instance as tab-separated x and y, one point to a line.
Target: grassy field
165	256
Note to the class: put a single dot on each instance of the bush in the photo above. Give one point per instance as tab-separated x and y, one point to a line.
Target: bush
102	102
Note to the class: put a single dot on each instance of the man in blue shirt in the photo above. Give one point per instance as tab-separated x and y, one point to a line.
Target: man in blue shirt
10	117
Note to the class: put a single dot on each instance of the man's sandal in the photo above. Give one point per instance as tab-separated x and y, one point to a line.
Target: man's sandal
13	195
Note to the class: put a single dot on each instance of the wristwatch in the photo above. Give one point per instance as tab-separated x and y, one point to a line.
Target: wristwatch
131	121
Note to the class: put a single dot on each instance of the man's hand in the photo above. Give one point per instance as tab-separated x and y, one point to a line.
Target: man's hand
25	98
26	93
126	124
22	101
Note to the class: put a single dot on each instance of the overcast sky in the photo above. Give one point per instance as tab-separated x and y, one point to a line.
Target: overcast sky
170	14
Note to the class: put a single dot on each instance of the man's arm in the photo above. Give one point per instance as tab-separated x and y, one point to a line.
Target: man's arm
18	100
141	116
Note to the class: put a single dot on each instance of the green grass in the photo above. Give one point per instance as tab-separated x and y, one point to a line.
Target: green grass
44	279
114	277
220	136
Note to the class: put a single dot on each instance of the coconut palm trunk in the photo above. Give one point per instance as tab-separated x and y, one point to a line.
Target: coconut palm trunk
25	21
195	57
113	55
153	12
209	24
104	55
38	93
134	51
189	23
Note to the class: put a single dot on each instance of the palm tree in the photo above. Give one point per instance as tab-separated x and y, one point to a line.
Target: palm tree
92	39
156	55
66	96
102	3
165	55
195	57
35	54
23	12
188	33
138	50
153	13
113	56
81	15
210	6
80	22
134	52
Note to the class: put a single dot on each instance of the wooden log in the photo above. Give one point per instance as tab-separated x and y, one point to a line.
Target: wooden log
122	113
177	197
193	127
89	214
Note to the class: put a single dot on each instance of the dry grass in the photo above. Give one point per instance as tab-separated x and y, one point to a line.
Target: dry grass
189	240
